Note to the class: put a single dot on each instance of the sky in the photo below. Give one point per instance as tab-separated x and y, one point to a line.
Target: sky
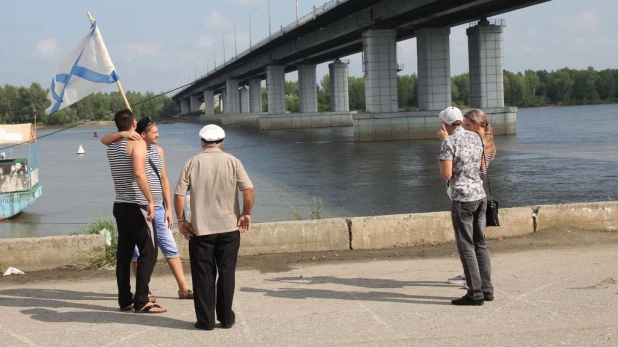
156	47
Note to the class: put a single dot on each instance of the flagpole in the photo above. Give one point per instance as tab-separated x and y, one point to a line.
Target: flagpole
124	97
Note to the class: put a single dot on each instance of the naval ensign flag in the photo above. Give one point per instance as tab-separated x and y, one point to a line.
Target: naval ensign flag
87	69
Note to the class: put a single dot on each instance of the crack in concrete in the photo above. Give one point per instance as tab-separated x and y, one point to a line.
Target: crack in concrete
535	213
349	223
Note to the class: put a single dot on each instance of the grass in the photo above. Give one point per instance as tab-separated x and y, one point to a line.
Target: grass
92	261
316	209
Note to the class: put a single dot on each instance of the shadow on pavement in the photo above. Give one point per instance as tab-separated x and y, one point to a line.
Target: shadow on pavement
361	282
43	305
303	293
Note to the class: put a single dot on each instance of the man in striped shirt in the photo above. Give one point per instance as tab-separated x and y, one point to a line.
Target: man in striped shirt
134	211
148	131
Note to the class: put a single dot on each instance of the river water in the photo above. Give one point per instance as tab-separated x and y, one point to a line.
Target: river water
559	155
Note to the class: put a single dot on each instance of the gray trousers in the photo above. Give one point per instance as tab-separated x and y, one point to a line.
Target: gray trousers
469	223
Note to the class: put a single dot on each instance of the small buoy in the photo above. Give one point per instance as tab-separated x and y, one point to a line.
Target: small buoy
81	150
95	134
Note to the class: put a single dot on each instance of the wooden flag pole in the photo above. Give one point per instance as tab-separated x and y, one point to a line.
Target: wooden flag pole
124	97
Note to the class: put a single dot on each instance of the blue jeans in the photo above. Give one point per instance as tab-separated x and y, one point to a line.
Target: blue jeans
165	239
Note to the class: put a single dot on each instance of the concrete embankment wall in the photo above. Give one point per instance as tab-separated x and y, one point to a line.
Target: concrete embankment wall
334	234
45	253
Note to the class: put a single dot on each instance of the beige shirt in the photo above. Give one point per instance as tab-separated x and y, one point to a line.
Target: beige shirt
213	179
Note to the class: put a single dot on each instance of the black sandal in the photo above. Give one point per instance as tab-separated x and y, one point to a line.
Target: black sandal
147	309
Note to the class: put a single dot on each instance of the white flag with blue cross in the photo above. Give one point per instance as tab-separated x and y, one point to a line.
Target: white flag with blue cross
87	69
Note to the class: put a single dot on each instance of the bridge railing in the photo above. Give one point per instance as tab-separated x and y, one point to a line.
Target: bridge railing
497	22
317	11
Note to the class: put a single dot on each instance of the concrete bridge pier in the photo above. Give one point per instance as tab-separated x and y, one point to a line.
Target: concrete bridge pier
307	90
381	99
209	102
244	99
223	101
339	95
434	68
209	115
380	67
195	103
255	95
250	105
275	88
309	117
184	106
485	57
232	96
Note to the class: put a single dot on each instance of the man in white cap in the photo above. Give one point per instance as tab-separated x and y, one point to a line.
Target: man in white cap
461	161
213	179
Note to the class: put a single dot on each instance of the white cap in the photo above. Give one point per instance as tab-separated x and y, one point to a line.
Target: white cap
212	133
450	115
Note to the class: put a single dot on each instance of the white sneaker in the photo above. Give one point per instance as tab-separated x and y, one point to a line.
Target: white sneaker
459	280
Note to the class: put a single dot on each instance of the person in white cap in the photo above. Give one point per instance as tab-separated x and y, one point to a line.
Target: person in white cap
461	161
213	179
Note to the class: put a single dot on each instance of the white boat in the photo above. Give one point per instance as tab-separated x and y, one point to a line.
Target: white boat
81	150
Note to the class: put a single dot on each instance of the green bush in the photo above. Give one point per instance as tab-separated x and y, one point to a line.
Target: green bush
316	210
109	259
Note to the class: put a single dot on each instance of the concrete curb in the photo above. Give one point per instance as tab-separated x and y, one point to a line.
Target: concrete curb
601	216
403	230
46	253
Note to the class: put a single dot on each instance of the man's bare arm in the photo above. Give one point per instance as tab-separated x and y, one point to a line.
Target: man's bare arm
117	136
248	197
138	156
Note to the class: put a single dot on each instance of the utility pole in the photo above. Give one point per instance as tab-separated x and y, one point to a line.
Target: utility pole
296	12
269	31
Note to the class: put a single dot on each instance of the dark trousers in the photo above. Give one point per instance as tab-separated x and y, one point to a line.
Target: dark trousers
208	254
133	230
469	223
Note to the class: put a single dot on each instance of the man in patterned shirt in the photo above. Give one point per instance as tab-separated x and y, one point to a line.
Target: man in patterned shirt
461	161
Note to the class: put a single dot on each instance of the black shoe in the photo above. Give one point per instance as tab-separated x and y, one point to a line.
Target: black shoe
467	301
488	297
203	327
228	326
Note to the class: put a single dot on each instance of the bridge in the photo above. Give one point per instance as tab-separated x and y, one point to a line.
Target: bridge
371	27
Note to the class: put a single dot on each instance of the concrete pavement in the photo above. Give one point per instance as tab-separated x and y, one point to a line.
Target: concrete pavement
544	296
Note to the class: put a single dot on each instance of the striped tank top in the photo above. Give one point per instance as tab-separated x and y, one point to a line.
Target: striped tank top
123	175
487	160
153	178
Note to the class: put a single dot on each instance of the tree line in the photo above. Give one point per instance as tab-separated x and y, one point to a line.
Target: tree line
19	105
530	88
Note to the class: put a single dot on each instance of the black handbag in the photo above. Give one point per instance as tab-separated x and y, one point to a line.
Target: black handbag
492	208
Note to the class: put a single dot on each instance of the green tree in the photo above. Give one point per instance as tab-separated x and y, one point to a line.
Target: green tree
605	85
460	89
564	85
584	85
324	94
407	92
356	93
